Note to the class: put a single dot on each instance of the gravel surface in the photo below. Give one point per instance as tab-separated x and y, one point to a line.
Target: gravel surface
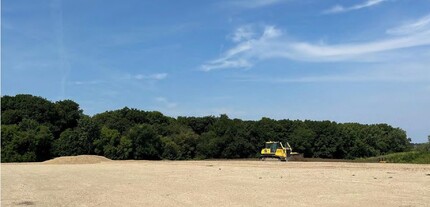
215	183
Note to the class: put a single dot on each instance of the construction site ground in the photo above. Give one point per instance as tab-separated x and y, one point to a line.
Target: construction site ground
103	182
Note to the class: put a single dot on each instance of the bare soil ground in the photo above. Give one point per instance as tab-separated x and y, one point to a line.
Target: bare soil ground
214	183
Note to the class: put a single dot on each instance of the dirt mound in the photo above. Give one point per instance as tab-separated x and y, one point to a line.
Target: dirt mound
80	159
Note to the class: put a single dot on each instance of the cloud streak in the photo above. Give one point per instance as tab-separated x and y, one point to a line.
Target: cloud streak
139	77
415	26
340	9
250	4
64	63
93	82
273	43
155	76
243	33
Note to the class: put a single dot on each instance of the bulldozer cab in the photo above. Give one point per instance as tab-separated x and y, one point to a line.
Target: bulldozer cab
273	146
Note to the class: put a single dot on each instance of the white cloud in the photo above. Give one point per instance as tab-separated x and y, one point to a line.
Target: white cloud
150	77
92	82
415	26
340	8
243	33
254	3
156	76
348	51
222	63
165	102
273	43
232	59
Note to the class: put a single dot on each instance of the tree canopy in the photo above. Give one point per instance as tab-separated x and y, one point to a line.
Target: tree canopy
35	129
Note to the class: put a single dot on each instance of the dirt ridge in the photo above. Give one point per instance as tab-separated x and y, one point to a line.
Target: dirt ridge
79	159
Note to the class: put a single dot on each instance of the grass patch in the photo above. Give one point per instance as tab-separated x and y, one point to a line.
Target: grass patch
415	157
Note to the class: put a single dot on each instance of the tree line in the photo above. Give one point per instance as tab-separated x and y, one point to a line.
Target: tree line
35	129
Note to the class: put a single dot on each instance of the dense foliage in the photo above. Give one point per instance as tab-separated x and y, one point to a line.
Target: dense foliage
35	129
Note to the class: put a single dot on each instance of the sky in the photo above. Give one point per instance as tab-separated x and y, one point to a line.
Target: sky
365	61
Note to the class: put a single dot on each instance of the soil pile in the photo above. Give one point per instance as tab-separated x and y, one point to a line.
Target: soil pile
80	159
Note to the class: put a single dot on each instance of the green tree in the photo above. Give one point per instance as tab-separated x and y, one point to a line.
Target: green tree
57	116
301	140
26	142
68	114
210	146
146	142
171	149
125	148
107	143
88	131
180	141
199	125
78	141
68	144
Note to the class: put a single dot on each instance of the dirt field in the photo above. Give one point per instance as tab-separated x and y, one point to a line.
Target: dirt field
214	183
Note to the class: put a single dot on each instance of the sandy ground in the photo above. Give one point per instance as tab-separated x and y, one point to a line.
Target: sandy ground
215	183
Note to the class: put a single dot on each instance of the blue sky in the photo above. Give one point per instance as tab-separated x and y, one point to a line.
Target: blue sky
364	61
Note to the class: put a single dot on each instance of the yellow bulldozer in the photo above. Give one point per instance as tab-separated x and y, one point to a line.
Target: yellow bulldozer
275	150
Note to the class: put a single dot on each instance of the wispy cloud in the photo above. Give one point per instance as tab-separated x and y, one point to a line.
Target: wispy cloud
254	3
156	76
225	63
339	8
165	102
149	78
411	27
238	56
57	16
242	33
273	43
92	82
